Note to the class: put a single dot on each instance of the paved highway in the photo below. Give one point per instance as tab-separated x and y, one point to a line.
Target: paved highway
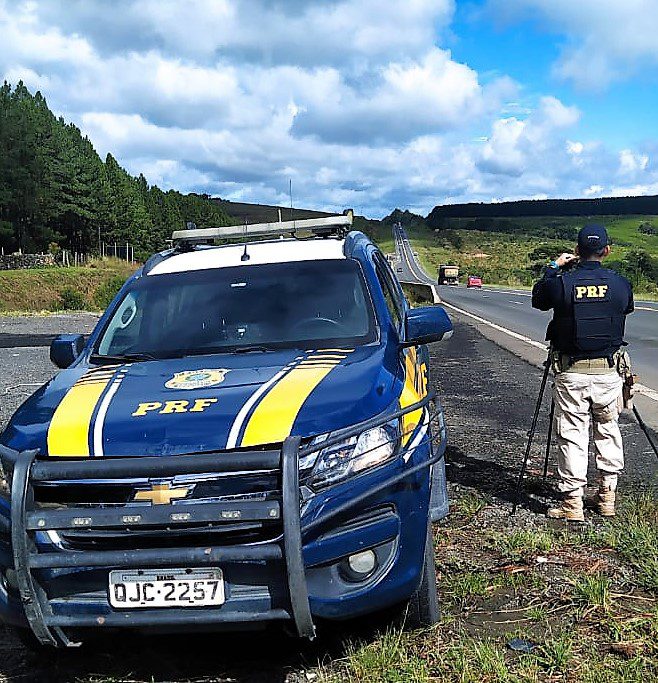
511	309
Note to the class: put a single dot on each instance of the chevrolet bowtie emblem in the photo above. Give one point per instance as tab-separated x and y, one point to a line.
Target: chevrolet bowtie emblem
163	494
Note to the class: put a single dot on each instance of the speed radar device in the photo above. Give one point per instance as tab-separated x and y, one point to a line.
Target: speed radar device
248	436
448	275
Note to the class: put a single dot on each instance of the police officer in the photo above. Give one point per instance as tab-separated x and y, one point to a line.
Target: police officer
590	304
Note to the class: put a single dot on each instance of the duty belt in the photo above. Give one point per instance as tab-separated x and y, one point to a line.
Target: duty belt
586	366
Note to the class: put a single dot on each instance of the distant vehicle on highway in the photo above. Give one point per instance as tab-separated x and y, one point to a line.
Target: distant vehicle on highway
474	281
448	275
249	435
399	269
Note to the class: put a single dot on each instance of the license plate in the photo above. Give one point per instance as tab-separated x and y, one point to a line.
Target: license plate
166	588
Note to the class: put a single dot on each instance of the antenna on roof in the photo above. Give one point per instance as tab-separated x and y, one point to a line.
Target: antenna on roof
245	255
292	212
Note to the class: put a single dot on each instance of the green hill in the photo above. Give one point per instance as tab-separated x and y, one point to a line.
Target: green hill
515	253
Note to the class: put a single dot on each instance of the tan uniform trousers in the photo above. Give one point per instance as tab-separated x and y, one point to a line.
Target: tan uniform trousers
579	396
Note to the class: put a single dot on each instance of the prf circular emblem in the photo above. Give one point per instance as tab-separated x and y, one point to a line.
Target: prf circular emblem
196	379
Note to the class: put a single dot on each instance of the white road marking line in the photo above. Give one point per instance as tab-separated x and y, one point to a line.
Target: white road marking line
646	391
506	291
646	308
500	328
639	388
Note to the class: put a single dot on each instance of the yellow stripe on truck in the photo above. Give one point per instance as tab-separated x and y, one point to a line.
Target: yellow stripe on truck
275	415
415	388
68	433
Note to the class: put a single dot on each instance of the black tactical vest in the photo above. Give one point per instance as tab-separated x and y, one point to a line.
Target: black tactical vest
589	322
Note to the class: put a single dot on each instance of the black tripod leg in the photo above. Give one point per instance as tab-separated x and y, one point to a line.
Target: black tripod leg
531	435
548	438
643	427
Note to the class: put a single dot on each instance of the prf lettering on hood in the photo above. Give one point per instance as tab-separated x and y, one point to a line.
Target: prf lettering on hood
170	407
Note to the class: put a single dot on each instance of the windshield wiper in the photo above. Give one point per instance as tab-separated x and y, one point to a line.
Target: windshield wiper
223	350
121	358
251	349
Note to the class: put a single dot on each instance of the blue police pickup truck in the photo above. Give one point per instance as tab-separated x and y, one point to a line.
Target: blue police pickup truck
248	436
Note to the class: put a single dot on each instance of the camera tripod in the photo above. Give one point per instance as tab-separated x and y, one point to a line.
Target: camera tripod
533	428
531	434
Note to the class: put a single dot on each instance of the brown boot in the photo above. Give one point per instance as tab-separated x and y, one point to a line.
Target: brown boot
571	510
605	502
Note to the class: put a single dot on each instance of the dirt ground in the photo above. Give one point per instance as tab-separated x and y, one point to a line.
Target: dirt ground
492	568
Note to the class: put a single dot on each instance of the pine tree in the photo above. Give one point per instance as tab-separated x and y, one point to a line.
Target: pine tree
55	188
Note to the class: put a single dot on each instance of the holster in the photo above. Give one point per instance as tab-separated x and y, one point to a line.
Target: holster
623	366
556	362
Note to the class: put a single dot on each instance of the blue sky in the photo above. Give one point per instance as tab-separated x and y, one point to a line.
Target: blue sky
622	113
360	103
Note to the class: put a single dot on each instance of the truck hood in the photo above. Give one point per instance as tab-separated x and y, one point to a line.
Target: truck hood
204	403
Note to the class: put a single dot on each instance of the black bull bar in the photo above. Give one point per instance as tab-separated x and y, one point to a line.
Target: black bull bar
25	470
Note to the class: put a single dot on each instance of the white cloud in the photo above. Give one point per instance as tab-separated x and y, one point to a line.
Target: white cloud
594	191
607	40
356	101
264	31
630	162
406	99
501	153
515	144
633	190
553	114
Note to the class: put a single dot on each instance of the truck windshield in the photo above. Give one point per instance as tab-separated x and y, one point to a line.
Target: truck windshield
259	307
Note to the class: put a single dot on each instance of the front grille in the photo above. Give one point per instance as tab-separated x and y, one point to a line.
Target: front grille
217	487
164	537
117	494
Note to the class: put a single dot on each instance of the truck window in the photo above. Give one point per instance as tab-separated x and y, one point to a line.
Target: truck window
386	282
280	305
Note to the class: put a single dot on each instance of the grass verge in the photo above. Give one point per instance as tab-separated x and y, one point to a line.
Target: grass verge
90	287
585	606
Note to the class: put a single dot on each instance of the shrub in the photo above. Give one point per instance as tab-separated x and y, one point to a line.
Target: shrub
72	300
107	291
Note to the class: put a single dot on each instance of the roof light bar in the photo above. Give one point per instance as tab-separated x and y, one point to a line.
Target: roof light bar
329	225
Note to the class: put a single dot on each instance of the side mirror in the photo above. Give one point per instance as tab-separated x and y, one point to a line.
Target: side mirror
65	348
426	324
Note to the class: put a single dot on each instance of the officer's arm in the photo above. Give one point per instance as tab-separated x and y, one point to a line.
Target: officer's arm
545	293
631	304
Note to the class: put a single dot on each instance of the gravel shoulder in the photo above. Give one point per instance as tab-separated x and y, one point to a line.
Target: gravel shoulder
24	342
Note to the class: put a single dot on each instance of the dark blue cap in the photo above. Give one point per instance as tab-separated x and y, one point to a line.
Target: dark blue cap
592	238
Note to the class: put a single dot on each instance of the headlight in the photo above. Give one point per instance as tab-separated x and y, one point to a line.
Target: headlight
354	454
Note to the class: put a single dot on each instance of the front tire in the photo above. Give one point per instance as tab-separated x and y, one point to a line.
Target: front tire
422	609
